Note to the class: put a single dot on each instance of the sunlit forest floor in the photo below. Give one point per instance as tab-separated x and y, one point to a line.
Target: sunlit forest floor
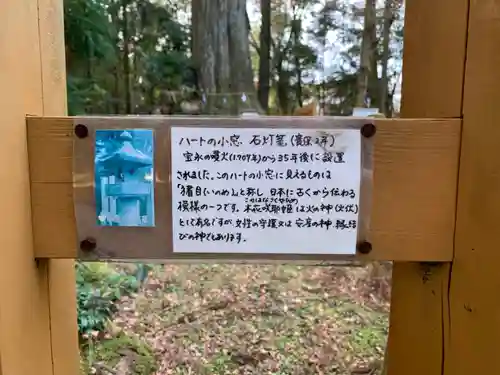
241	319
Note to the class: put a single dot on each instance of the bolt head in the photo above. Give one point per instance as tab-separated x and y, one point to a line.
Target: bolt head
81	131
364	247
88	244
368	130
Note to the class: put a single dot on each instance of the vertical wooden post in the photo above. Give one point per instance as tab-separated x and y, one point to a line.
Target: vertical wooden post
475	282
37	305
433	75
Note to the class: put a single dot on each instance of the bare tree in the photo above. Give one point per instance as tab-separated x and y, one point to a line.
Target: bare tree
367	51
265	54
386	54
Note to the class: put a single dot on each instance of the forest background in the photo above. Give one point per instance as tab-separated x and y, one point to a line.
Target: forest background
143	56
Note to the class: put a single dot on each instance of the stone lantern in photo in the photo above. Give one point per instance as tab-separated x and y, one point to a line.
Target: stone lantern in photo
126	186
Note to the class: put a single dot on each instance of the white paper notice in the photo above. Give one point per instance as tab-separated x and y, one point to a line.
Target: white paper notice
258	190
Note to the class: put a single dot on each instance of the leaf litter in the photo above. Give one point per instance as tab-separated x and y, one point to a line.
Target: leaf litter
251	319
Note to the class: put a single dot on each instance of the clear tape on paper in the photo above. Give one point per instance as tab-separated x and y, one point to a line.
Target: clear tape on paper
125	196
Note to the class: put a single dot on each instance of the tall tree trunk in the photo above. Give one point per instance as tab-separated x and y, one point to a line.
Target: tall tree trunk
386	54
242	79
204	21
282	86
114	10
297	28
126	57
367	52
373	79
116	91
195	34
223	63
265	54
222	54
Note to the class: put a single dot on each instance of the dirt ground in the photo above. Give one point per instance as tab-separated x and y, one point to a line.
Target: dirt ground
249	319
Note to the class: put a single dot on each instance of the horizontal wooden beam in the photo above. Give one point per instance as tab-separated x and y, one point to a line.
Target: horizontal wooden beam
414	194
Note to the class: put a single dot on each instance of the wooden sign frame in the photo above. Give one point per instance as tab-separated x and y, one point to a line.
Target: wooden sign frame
412	204
156	242
440	322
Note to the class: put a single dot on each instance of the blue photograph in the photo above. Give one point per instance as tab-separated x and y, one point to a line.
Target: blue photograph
124	177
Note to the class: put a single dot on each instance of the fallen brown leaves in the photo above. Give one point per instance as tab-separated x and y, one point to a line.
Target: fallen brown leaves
249	319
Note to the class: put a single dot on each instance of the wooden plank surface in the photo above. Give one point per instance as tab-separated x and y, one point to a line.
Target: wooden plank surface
413	198
474	284
30	293
61	272
433	73
433	58
24	308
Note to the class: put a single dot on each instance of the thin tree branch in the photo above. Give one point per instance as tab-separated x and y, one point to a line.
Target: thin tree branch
253	42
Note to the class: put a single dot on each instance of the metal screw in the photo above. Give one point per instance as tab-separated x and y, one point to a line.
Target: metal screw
368	130
364	247
81	131
89	244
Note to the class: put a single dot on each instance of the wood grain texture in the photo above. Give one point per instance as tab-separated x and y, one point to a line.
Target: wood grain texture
61	272
433	75
25	336
413	198
416	336
474	284
433	58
